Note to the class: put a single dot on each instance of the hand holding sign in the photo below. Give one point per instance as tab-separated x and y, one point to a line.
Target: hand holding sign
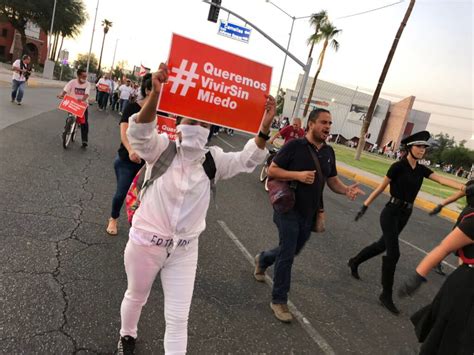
270	111
160	77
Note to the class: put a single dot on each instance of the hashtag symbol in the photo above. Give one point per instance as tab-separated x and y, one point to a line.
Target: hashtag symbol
178	79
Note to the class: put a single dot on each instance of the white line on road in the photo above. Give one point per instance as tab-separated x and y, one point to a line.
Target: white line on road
313	333
426	253
223	140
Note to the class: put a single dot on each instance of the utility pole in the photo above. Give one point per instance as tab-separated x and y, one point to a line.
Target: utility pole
92	39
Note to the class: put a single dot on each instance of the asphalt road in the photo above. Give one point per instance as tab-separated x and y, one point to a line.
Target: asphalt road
62	277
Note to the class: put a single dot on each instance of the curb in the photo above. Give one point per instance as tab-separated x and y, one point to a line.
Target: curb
34	83
419	202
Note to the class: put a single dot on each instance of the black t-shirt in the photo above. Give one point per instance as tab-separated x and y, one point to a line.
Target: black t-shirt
130	110
465	223
295	156
405	182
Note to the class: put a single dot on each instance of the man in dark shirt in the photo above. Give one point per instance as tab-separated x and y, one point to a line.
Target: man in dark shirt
296	163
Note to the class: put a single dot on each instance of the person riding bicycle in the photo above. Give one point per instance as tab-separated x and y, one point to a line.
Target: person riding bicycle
79	88
290	132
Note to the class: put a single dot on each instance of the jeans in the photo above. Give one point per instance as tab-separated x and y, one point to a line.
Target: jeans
85	127
115	102
294	231
103	98
125	171
18	89
177	271
123	105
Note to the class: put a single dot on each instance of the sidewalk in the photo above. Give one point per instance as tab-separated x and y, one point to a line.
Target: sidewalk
34	81
424	200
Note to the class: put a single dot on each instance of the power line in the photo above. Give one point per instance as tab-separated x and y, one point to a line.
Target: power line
365	12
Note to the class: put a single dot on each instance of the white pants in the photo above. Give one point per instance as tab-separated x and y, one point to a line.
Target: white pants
178	271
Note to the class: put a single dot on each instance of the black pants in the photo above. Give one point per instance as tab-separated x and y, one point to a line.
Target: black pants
392	220
85	127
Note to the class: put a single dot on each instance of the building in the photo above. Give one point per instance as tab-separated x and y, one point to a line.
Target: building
391	122
10	43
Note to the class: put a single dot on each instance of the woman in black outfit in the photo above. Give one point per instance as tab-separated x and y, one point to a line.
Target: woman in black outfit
127	163
405	178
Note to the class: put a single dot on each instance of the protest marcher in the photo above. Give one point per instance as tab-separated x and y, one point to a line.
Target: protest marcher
114	97
405	178
290	132
21	73
104	86
128	162
79	88
296	163
125	91
165	228
446	326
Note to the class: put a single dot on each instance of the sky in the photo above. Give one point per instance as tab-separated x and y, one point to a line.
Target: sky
433	61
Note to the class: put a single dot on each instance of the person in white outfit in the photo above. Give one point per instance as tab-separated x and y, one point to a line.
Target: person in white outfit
165	228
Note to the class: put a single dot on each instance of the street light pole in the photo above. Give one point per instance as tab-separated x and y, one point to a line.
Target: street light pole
286	55
92	39
51	30
115	51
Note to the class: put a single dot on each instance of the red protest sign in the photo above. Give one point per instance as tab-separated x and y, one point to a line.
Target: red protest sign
215	86
73	106
167	125
103	88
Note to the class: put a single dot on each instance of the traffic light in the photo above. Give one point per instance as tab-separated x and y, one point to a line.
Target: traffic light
214	11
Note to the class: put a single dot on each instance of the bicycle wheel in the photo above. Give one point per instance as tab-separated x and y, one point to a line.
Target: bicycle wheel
68	129
264	172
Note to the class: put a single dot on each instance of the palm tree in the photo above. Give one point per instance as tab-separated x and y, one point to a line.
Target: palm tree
327	33
388	61
106	24
316	20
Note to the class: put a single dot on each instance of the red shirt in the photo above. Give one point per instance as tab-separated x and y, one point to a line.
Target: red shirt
290	132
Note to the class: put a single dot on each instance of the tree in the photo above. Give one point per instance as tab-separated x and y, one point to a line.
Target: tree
441	142
375	97
327	33
117	73
106	24
81	62
316	20
280	101
458	157
18	13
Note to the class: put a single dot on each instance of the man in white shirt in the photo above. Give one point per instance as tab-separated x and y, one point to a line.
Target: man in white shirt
165	228
21	73
104	85
79	88
125	90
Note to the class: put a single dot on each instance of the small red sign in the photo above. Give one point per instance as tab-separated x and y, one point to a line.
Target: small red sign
167	125
103	88
215	86
73	106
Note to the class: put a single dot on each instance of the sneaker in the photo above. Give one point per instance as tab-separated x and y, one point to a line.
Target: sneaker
100	109
18	103
281	312
84	144
126	345
259	273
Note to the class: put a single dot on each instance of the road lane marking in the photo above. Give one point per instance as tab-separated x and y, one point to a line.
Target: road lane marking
426	253
223	140
305	323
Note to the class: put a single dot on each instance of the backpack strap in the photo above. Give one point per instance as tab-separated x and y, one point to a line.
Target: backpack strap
159	168
210	169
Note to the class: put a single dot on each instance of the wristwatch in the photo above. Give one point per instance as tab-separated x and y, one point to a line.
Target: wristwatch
263	135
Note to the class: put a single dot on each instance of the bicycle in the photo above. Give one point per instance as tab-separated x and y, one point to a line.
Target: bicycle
264	172
70	129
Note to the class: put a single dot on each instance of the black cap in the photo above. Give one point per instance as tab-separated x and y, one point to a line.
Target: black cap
419	138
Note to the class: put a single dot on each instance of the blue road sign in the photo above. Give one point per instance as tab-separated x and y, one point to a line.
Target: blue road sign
234	31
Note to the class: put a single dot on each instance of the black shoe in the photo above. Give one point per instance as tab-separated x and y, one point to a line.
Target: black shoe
84	144
387	302
439	270
354	272
126	345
